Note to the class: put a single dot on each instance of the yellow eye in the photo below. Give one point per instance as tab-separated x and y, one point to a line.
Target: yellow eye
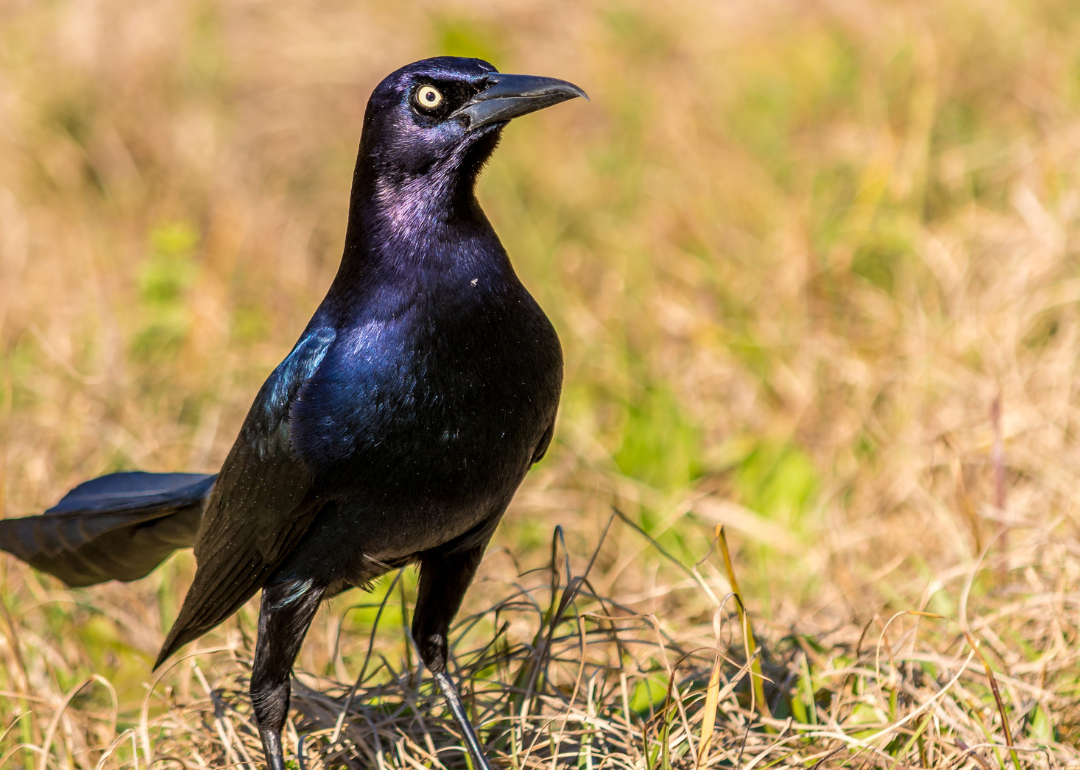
428	97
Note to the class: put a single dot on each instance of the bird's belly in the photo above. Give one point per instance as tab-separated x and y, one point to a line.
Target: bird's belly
449	461
421	471
412	491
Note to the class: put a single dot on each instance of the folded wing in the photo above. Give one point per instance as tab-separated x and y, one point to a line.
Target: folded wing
260	507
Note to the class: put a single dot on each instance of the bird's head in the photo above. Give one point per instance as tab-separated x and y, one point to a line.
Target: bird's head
439	119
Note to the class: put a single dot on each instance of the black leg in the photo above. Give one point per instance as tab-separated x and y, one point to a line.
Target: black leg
286	612
457	708
444	577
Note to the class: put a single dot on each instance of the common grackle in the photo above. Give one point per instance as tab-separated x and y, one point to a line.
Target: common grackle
396	431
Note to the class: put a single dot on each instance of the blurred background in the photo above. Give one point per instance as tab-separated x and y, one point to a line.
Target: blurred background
796	252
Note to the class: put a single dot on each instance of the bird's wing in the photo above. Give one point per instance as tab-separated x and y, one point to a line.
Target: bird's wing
261	505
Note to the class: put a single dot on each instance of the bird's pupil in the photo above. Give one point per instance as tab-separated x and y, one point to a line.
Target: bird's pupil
430	96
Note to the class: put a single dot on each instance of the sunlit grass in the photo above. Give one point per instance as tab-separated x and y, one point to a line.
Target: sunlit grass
794	254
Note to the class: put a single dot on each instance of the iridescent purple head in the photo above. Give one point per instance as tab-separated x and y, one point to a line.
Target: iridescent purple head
444	115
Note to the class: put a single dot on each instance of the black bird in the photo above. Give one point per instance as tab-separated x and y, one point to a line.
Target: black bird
396	431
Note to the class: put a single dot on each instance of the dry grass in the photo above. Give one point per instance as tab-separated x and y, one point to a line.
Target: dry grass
796	252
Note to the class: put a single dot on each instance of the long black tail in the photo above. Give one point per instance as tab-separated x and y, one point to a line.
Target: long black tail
117	527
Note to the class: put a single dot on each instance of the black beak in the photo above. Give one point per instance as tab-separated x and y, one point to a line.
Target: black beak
511	96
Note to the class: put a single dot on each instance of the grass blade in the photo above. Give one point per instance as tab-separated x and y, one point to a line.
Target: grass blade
757	678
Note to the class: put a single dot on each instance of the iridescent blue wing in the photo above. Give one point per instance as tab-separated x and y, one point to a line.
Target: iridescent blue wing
261	505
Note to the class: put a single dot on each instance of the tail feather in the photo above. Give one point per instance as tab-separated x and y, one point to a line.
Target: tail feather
116	527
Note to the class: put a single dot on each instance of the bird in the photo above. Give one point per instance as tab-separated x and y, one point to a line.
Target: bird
396	431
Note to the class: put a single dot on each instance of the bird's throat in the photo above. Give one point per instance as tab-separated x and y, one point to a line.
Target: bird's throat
401	219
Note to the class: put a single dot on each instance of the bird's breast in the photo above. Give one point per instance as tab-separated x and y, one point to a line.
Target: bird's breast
439	406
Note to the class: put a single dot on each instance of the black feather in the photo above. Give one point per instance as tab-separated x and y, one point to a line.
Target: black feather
116	527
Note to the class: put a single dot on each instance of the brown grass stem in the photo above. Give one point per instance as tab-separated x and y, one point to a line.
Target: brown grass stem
757	678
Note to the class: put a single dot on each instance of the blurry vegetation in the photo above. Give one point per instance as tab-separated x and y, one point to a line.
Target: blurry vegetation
794	251
661	445
165	276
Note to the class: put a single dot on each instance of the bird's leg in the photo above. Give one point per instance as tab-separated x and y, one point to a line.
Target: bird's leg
286	612
444	577
457	708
